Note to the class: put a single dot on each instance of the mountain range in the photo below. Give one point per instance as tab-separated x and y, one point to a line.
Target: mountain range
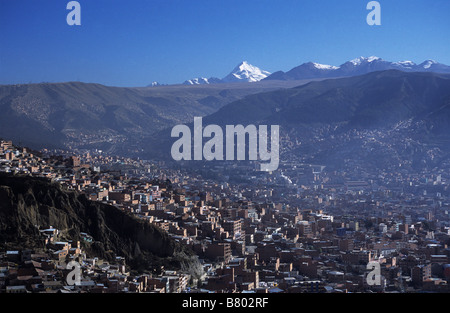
373	99
392	115
245	72
79	115
358	66
137	121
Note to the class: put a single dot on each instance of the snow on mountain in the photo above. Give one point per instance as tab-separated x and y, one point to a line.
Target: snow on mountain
428	63
202	81
361	60
197	81
325	67
156	84
405	64
246	72
358	66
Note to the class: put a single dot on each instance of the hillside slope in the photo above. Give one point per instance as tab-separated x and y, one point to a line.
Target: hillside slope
79	115
380	119
27	203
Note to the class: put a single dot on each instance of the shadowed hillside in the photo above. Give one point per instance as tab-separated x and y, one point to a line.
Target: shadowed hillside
398	115
27	203
113	119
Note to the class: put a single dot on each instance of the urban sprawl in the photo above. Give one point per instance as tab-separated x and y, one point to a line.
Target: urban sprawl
270	236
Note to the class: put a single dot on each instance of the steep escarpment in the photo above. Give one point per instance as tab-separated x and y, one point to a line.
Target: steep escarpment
27	204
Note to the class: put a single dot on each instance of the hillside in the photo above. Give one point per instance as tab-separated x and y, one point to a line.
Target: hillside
79	115
369	100
27	203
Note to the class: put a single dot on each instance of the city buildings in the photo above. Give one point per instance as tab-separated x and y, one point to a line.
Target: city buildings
270	236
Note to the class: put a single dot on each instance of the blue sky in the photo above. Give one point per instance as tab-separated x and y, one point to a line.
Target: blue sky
136	42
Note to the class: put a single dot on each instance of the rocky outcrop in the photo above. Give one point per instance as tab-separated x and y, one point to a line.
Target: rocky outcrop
27	204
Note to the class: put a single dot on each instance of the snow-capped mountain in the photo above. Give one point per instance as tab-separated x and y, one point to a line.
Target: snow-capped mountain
324	66
428	64
361	60
243	72
358	66
196	81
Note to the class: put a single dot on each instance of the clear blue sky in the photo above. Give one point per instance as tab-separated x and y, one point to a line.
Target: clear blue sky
135	42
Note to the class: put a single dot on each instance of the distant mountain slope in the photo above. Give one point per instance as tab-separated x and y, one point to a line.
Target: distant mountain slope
394	116
27	202
389	120
362	101
245	72
77	115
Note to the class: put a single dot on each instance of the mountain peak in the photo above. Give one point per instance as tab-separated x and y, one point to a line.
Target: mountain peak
405	63
244	71
359	66
197	81
244	64
428	63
